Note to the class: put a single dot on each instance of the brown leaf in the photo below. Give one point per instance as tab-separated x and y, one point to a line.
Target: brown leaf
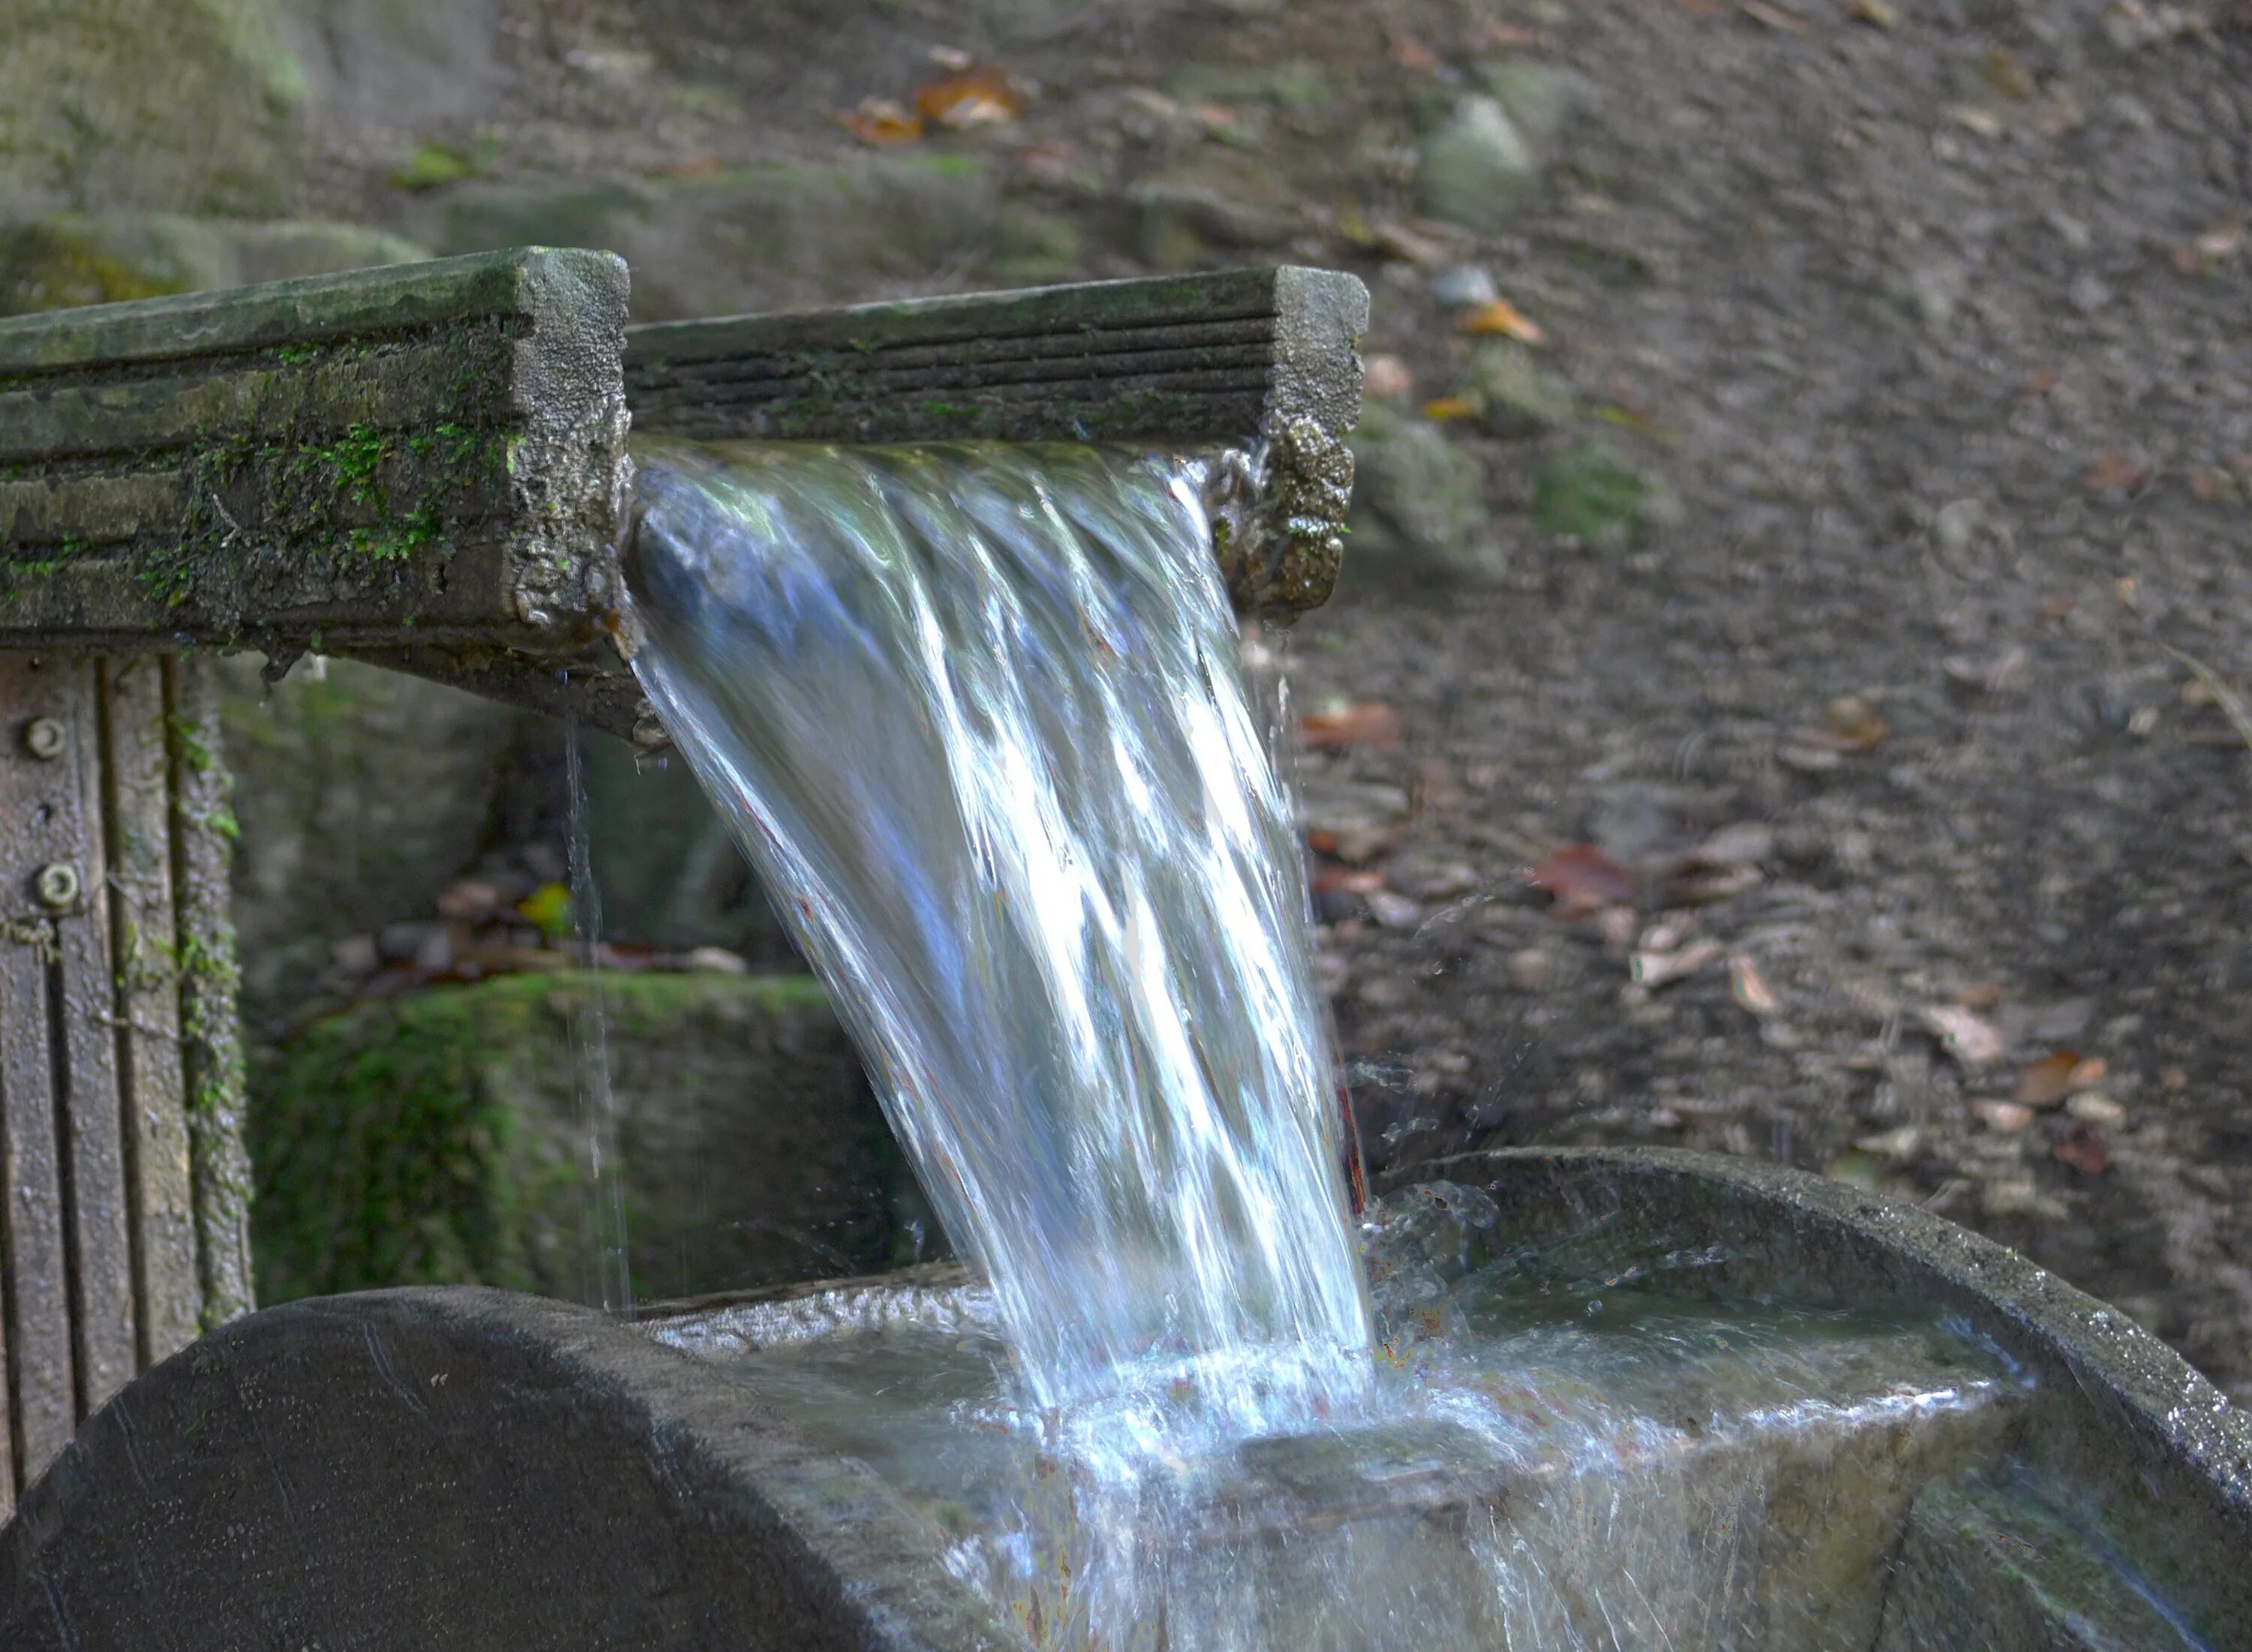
1409	246
1705	885
2047	1081
1499	317
1332	879
2112	471
1979	995
1445	407
1410	52
1969	1038
882	123
1369	723
1773	16
1879	13
983	94
2086	1150
1583	879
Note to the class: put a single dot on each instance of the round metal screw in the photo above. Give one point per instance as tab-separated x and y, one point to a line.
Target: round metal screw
42	738
57	883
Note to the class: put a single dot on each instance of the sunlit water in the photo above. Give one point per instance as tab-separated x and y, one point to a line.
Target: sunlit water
977	715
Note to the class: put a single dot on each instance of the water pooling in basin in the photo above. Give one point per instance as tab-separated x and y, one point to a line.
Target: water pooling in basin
1595	1450
977	715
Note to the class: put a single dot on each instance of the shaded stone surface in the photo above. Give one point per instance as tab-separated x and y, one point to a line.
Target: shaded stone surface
361	795
99	258
439	1138
462	1471
357	1472
178	105
759	237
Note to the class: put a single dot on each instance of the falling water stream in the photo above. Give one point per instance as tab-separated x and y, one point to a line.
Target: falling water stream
977	715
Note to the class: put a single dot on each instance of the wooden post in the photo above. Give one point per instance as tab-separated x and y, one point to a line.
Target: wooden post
120	1086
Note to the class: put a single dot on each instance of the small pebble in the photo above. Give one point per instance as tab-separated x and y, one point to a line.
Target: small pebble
1464	287
2092	1106
2004	1118
1529	970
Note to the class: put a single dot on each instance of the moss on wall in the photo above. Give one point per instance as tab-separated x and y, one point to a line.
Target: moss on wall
436	1138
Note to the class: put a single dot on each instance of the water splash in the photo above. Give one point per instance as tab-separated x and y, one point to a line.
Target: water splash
977	715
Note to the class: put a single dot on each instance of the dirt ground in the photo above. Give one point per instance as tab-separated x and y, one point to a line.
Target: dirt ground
1919	334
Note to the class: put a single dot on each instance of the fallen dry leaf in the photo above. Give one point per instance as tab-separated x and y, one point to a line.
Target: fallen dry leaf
1899	1144
983	94
881	122
2086	1150
1773	16
1395	239
1497	317
1654	968
1879	13
1967	1036
1332	879
1852	723
1370	723
1410	52
2112	471
2004	1118
1706	885
1583	879
1748	988
1979	995
1993	676
2047	1081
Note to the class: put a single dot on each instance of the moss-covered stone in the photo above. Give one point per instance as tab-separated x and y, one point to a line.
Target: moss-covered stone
363	793
437	1138
765	237
1589	492
186	105
54	263
1419	502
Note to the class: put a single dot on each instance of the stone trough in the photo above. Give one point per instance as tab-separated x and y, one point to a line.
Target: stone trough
466	1469
426	468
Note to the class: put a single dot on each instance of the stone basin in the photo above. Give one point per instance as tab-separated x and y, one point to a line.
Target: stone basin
468	1468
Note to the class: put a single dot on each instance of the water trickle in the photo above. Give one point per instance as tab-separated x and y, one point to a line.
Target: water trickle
611	1285
977	715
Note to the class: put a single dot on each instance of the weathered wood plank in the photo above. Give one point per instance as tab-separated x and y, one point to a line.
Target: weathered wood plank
369	454
37	796
161	1198
105	1346
211	1043
1261	360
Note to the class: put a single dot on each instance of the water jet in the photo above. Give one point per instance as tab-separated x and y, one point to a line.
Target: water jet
1840	1422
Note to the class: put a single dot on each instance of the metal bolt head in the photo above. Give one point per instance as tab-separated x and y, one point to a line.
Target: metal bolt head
57	885
43	738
